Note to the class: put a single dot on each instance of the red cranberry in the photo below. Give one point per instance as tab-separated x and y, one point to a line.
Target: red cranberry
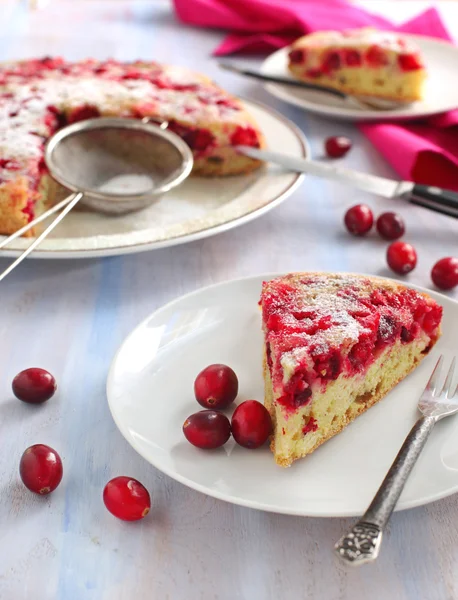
40	469
207	429
410	62
251	424
216	387
337	146
314	73
296	56
359	219
352	58
376	57
81	113
126	498
199	139
401	257
331	62
34	385
390	226
445	273
311	425
245	136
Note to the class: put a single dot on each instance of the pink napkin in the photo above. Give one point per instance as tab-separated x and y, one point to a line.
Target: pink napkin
426	151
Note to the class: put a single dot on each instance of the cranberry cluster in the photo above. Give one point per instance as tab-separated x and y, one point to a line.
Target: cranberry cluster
401	256
217	387
41	467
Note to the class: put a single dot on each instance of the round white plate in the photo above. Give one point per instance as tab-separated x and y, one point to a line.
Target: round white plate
199	208
150	394
441	91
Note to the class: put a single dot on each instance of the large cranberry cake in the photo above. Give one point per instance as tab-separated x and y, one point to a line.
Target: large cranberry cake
37	97
363	62
334	346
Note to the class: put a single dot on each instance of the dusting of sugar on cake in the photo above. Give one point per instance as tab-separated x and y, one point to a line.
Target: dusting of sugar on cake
321	326
33	93
387	40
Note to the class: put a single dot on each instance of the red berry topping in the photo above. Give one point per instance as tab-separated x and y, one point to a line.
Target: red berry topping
359	219
352	58
34	385
126	498
207	429
410	62
251	424
331	62
311	425
216	386
337	146
81	113
390	226
296	56
445	273
376	57
40	469
245	136
401	257
199	139
314	73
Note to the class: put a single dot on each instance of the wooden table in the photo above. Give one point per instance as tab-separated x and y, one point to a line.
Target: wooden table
70	317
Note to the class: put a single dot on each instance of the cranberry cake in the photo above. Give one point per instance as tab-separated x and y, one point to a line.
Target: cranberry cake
334	346
362	62
37	97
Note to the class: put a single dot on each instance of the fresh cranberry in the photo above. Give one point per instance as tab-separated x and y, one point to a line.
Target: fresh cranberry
331	62
81	113
40	469
445	273
337	146
401	257
207	429
126	498
410	62
359	219
216	386
245	136
296	56
352	58
390	226
199	139
34	385
251	424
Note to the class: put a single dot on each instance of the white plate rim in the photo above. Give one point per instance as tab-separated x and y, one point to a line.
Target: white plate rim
275	509
348	114
205	232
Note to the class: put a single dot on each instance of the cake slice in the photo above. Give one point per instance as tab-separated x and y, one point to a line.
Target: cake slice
39	96
334	346
363	62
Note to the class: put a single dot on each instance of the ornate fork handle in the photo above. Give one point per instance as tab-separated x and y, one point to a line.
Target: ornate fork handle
362	543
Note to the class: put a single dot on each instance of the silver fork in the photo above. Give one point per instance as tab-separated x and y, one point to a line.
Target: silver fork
362	544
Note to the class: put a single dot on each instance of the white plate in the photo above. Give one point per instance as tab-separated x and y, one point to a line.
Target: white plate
441	91
199	208
150	394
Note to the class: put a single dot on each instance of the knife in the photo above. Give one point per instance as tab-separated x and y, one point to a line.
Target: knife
435	198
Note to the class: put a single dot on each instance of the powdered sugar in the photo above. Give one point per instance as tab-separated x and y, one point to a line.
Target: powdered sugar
29	89
355	38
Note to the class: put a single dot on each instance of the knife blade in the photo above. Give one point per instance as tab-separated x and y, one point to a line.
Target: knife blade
374	184
437	199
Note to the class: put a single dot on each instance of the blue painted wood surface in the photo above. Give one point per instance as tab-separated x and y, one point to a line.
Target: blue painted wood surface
70	317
